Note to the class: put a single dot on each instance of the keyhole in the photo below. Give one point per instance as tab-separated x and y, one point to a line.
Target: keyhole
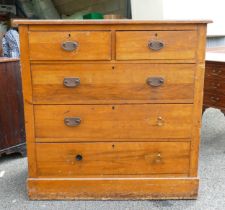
113	146
156	34
113	107
69	35
79	157
113	67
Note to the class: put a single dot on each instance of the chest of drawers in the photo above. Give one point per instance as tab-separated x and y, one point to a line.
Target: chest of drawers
112	108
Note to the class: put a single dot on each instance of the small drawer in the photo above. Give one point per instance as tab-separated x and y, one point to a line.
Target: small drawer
74	45
94	122
158	45
113	158
113	83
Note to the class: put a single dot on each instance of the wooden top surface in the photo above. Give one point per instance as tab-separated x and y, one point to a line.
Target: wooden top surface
5	59
216	54
102	22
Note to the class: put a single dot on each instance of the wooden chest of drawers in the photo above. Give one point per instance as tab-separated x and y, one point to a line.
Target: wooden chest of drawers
112	108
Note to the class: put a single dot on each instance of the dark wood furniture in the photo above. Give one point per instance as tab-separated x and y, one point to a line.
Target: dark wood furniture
214	88
12	132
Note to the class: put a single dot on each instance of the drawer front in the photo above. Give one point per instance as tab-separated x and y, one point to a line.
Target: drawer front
114	158
168	45
107	83
102	122
214	99
215	70
82	45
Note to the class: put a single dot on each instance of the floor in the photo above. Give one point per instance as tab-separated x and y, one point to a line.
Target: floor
13	172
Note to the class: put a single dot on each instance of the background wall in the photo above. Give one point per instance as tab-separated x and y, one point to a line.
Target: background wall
69	7
183	9
147	9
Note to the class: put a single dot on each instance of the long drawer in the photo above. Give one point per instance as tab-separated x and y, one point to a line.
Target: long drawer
74	45
109	83
106	122
143	45
113	158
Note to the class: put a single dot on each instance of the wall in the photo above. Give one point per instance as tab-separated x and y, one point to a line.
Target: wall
183	9
198	9
147	9
68	7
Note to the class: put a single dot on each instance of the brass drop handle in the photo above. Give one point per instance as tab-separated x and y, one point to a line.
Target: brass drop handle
160	121
158	158
69	46
71	82
72	121
156	45
79	157
155	81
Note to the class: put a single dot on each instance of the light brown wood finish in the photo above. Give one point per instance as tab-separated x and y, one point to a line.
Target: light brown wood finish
113	188
92	45
114	121
123	158
198	101
115	106
27	101
109	22
133	45
106	83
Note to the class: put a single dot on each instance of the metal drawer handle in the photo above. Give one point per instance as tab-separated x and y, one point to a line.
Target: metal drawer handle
155	81
71	82
72	121
160	121
69	46
79	157
156	45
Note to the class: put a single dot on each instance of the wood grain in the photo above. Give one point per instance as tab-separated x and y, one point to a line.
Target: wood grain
214	85
113	188
113	158
115	108
114	121
12	131
215	70
106	83
27	99
133	45
113	22
92	45
198	102
214	95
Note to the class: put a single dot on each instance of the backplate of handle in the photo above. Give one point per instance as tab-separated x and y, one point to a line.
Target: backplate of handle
72	121
156	45
155	81
69	45
71	82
